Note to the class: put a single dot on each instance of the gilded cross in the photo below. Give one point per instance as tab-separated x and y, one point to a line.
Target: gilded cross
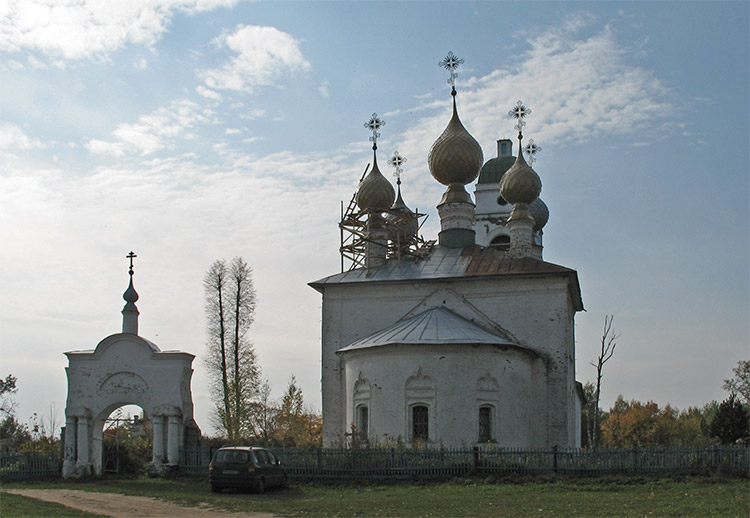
451	63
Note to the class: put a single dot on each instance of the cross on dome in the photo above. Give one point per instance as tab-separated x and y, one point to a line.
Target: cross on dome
397	161
531	149
374	124
451	63
131	256
519	112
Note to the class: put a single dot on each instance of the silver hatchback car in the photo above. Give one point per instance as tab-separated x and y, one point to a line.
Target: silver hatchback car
245	467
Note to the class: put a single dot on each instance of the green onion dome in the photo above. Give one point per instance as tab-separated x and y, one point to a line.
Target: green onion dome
540	213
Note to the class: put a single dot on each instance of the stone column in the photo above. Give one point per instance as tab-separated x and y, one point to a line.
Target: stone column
377	241
173	440
83	441
456	211
521	229
70	446
158	424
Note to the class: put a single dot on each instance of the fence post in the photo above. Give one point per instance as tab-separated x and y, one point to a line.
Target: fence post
320	461
476	458
554	458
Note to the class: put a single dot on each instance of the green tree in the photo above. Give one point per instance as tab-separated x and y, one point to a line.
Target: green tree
295	425
740	383
13	435
730	424
231	361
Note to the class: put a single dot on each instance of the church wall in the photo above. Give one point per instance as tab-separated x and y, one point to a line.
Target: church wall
533	311
464	378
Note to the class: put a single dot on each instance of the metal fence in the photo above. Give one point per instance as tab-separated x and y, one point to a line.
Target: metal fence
449	462
445	462
16	466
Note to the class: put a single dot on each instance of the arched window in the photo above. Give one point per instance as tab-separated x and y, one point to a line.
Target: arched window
363	418
501	242
486	417
420	422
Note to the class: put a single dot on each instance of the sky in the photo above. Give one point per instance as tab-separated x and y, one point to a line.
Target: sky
193	130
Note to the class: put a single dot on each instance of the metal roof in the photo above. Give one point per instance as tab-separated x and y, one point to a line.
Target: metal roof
436	326
448	263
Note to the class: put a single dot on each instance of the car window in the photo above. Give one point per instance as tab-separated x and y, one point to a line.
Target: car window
271	458
231	456
262	457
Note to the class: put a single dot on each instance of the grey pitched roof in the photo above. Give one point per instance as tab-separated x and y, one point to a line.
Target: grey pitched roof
436	326
446	263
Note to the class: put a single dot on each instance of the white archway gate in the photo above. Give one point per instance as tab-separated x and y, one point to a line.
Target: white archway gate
126	369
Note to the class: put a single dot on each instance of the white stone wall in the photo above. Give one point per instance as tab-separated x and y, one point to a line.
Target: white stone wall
535	312
465	378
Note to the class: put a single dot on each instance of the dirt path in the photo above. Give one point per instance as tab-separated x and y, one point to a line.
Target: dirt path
122	506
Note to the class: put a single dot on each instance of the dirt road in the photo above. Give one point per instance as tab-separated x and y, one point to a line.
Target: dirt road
122	506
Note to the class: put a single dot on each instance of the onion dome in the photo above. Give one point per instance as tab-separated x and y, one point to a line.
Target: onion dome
539	211
130	296
456	156
493	169
402	218
520	184
375	191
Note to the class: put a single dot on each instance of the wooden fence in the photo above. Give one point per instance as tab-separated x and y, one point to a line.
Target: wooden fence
442	463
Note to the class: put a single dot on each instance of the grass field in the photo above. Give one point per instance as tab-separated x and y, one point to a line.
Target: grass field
605	497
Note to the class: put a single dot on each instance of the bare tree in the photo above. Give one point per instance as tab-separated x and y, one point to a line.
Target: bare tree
231	360
608	344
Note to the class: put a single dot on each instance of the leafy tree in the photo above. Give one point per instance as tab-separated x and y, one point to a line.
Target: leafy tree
295	425
730	424
231	361
740	383
13	434
633	423
7	389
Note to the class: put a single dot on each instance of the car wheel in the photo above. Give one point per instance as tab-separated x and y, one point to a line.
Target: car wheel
215	489
260	485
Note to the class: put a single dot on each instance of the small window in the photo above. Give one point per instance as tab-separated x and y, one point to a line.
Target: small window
485	424
501	242
420	423
363	420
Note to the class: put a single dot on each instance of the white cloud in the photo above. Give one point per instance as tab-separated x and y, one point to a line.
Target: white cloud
323	89
85	29
14	138
208	93
154	131
577	87
263	55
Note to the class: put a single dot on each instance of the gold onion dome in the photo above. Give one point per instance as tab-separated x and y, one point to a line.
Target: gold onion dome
375	191
520	184
455	157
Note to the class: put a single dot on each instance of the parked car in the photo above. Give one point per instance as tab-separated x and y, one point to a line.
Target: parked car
245	467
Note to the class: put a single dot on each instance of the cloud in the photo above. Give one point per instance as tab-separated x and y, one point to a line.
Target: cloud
14	138
154	131
89	29
323	89
578	88
263	54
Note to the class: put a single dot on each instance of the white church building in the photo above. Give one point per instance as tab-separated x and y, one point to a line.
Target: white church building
465	341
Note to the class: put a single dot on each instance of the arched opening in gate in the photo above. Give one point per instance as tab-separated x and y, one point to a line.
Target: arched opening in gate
125	439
